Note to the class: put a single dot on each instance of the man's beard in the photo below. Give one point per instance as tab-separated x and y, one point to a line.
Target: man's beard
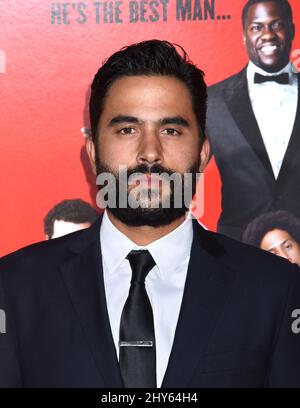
145	216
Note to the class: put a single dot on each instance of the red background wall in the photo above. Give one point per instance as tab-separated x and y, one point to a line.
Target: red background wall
45	72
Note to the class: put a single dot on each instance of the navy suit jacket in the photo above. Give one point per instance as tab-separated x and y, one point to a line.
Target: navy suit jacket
234	328
249	187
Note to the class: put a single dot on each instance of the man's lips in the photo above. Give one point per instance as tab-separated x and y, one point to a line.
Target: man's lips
269	49
146	180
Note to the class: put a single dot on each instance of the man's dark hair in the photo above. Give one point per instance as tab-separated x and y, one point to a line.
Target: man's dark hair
260	226
150	58
76	211
284	4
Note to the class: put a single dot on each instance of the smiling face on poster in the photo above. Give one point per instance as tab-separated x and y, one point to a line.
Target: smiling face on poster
268	35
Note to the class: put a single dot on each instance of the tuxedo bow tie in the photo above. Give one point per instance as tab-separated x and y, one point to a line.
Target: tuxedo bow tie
282	79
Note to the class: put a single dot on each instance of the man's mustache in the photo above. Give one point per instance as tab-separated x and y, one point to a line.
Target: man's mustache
145	169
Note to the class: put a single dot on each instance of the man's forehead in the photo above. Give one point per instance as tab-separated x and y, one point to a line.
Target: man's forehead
277	237
158	81
265	10
139	97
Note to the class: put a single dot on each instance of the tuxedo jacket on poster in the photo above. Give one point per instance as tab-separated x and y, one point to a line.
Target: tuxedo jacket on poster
235	328
249	187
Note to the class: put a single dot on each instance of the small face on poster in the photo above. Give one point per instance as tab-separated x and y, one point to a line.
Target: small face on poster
277	232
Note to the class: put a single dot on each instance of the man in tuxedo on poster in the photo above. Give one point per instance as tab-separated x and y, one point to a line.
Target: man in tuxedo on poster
253	122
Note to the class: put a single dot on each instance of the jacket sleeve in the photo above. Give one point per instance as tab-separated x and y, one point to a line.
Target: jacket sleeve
284	368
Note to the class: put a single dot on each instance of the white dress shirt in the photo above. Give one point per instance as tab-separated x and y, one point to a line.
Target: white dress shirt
274	107
164	283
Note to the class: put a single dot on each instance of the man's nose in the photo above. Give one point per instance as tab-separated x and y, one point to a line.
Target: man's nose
150	148
268	33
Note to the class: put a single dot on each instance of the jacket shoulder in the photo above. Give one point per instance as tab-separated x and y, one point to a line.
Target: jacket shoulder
252	261
39	256
228	83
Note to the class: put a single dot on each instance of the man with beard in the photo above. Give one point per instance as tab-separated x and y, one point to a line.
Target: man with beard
253	122
146	297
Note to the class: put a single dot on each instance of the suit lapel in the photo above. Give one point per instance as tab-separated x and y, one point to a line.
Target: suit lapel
291	159
83	276
239	104
206	290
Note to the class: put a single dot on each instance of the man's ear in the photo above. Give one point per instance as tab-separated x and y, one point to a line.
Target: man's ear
244	40
91	152
204	155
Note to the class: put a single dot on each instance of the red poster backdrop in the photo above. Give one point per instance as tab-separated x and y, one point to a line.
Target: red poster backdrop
49	52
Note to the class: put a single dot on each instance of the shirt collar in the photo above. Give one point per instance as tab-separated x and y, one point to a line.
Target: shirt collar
168	252
252	69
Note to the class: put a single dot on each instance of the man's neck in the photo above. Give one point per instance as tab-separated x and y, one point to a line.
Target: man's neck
144	235
285	68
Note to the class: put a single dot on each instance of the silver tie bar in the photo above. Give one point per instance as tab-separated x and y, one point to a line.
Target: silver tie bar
135	343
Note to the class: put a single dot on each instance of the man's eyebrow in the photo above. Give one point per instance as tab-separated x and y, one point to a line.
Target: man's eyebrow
175	120
260	20
278	244
122	119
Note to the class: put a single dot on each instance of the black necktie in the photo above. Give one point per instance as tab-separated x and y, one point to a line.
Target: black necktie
137	356
282	79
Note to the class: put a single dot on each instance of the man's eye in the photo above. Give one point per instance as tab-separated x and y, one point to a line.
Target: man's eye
278	25
171	132
127	131
255	28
